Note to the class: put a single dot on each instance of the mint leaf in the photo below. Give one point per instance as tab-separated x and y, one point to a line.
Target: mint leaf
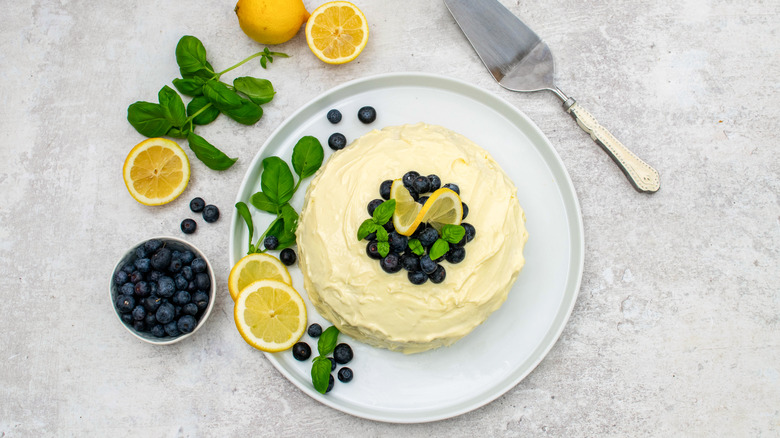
384	212
262	202
208	153
383	248
439	248
327	342
320	373
243	211
367	227
452	233
416	247
307	156
277	180
381	234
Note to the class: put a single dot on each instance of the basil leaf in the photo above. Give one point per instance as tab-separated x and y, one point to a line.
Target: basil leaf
290	220
178	132
307	156
439	248
148	119
320	374
277	180
416	247
172	106
208	153
190	54
221	96
263	61
383	248
384	212
327	342
207	116
262	202
452	233
381	234
243	211
276	228
190	87
367	227
259	91
247	114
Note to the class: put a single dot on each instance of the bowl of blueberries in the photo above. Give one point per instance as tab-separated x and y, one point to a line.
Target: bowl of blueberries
162	290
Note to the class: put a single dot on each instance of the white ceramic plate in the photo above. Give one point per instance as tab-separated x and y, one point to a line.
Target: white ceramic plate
495	357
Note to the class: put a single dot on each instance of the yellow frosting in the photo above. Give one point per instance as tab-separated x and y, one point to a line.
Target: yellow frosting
351	290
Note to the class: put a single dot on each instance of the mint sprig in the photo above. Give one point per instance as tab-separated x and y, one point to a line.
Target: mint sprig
449	234
382	214
320	367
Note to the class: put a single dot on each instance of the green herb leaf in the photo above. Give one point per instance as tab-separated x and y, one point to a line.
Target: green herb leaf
416	247
367	227
290	219
384	212
276	229
221	96
208	153
320	373
381	234
190	55
148	119
327	341
277	180
307	156
383	248
178	132
261	202
172	106
439	248
264	61
208	115
190	87
259	91
452	233
243	211
247	114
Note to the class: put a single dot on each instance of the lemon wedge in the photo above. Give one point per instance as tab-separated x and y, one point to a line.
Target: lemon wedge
406	216
270	315
254	267
337	32
156	171
443	207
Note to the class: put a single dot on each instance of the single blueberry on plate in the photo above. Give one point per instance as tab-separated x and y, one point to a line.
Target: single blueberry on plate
427	265
287	256
201	299
345	374
165	313
337	141
408	178
331	382
438	275
125	303
121	278
172	329
372	249
398	242
435	182
181	298
391	263
456	254
373	205
187	324
428	236
127	289
421	184
334	116
210	213
202	281
465	211
271	242
315	330
158	331
198	265
384	189
197	204
161	259
342	353
453	187
410	262
367	114
417	277
301	351
152	245
188	226
470	231
190	309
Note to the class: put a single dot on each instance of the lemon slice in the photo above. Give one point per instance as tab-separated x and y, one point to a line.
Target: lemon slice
337	32
156	171
406	216
443	207
256	267
270	315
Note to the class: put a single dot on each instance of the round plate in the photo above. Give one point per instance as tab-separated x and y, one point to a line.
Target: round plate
497	355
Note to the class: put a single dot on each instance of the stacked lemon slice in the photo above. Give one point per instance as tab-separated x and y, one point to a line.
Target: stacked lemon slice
442	207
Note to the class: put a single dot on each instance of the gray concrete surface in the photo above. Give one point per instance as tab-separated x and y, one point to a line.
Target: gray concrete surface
676	331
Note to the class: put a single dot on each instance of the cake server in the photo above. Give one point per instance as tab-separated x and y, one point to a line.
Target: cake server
520	61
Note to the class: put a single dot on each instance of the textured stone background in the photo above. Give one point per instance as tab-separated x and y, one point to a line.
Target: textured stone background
676	330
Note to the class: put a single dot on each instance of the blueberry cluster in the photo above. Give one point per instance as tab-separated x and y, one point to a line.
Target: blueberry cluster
198	205
342	354
337	141
421	267
162	291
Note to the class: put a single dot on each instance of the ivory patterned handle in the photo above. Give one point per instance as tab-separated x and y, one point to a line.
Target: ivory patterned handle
641	175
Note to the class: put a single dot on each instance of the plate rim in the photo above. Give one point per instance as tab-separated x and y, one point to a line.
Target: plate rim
562	181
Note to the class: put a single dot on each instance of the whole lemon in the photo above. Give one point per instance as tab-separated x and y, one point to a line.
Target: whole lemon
271	21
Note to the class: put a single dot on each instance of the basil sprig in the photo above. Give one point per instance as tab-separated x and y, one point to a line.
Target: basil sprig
240	101
321	365
449	234
382	214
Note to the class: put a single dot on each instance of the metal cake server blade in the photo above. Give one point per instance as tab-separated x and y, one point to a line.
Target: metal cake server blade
520	61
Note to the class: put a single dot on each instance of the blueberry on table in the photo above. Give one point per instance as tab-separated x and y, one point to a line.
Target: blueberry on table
434	182
410	262
373	205
301	351
188	226
151	246
186	324
172	328
342	354
428	236
127	289
315	330
181	298
201	299
197	205
334	116
422	200
331	382
372	249
121	278
465	210
190	309
384	189
417	277
202	281
408	178
345	374
367	114
427	265
161	259
438	275
398	242
210	213
198	265
453	187
158	331
337	141
421	184
271	242
287	256
391	263
165	313
470	231
125	303
456	254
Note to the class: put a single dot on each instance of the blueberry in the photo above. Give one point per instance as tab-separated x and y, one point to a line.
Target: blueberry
470	231
187	257
150	319
301	351
413	193
181	297
166	287
152	303
176	312
176	254
391	264
422	200
201	299
127	289
175	265
186	324
165	313
203	281
372	249
337	141
127	318
125	303
155	275
384	189
136	276
428	236
419	230
210	213
158	331
315	330
410	262
197	204
332	363
287	256
427	265
408	179
345	374
188	226
190	309
465	210
373	205
453	187
389	227
438	275
435	182
172	329
142	289
191	286
153	288
334	116
367	114
342	353
121	277
139	326
161	259
371	236
271	242
180	281
141	253
198	265
456	254
187	273
151	246
417	277
398	243
421	184
331	382
128	268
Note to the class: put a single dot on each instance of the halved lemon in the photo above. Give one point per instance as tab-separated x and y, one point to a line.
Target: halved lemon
256	267
443	207
337	32
156	171
406	216
270	315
